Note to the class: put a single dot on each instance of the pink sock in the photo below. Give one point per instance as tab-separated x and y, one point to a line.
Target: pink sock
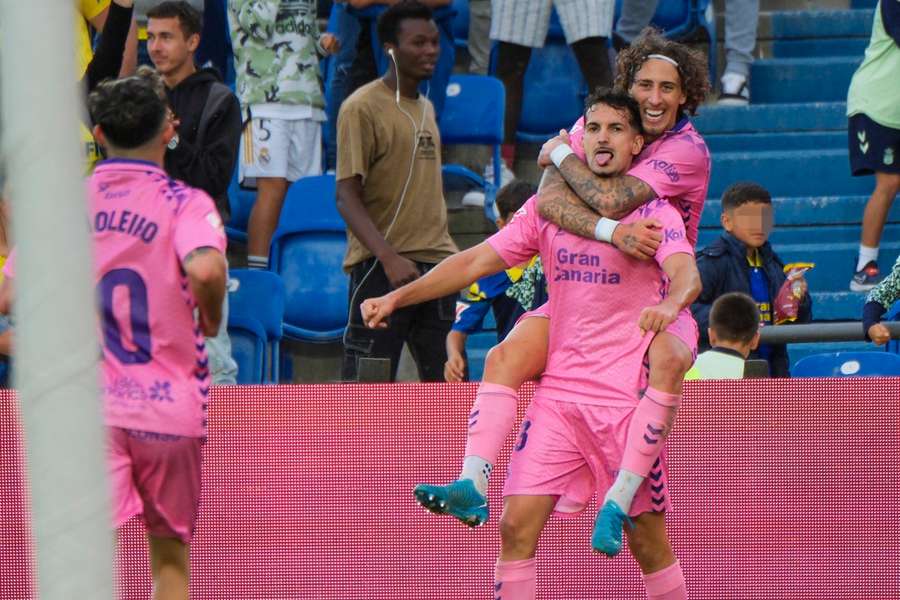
491	419
667	584
514	580
652	420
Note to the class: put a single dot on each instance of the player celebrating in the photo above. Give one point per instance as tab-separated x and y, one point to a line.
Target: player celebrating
158	248
669	81
574	432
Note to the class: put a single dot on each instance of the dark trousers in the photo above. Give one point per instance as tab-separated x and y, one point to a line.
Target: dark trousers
512	62
424	327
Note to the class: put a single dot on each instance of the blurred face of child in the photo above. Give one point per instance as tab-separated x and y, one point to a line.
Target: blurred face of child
751	223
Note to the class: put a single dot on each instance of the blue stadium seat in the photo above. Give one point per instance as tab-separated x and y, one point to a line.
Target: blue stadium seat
260	295
893	315
241	200
473	114
554	92
848	364
248	347
308	251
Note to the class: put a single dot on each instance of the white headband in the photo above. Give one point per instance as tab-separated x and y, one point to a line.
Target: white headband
665	58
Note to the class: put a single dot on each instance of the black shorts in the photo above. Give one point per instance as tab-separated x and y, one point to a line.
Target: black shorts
873	148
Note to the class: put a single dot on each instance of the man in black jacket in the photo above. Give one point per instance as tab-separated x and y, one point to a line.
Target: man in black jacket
742	260
204	151
208	130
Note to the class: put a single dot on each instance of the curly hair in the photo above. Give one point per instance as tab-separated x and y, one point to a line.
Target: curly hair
691	65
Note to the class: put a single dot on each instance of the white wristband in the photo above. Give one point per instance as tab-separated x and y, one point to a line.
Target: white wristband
560	153
603	232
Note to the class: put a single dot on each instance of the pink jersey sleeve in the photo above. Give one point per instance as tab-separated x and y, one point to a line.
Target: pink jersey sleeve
675	170
674	234
9	268
198	226
576	138
520	239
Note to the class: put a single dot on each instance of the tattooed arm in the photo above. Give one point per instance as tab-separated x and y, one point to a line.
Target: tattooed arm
611	197
207	273
559	204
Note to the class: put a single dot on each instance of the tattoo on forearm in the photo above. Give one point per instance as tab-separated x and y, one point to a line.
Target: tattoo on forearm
559	204
612	197
198	252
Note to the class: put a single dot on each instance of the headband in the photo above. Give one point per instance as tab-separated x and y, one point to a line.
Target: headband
671	61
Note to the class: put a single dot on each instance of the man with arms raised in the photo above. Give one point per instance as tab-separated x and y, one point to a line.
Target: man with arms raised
574	432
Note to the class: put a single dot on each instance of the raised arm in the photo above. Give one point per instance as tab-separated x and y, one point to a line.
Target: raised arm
450	275
684	287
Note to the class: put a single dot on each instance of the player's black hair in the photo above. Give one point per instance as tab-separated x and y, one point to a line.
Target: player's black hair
129	111
744	192
512	196
390	20
734	317
189	18
618	100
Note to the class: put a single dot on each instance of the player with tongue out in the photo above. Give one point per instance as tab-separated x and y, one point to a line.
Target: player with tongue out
668	81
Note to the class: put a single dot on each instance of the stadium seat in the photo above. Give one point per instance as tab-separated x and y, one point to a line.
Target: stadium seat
893	315
554	92
848	364
308	251
241	200
248	347
473	114
260	295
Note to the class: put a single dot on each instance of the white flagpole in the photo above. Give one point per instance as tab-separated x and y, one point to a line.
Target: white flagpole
56	348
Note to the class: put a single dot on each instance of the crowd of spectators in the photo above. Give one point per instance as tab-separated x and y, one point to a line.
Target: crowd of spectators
281	124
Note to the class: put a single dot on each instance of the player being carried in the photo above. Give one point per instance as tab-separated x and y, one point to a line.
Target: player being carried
668	81
601	300
158	257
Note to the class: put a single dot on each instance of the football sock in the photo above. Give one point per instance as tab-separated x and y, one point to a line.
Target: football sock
667	584
490	420
514	580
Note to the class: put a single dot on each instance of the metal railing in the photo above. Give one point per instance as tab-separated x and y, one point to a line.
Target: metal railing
851	331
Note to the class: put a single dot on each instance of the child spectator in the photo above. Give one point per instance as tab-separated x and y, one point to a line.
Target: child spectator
742	260
733	335
509	293
878	302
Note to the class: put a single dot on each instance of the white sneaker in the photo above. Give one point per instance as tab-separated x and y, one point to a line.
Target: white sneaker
735	90
475	197
506	174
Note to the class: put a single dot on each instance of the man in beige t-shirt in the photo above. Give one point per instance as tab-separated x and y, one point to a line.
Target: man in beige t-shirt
390	193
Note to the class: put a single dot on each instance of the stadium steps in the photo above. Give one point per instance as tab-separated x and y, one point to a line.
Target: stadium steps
789	80
772	118
806	211
819	48
789	173
792	140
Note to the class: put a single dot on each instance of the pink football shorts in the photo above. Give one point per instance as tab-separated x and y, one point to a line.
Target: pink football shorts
573	451
156	475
